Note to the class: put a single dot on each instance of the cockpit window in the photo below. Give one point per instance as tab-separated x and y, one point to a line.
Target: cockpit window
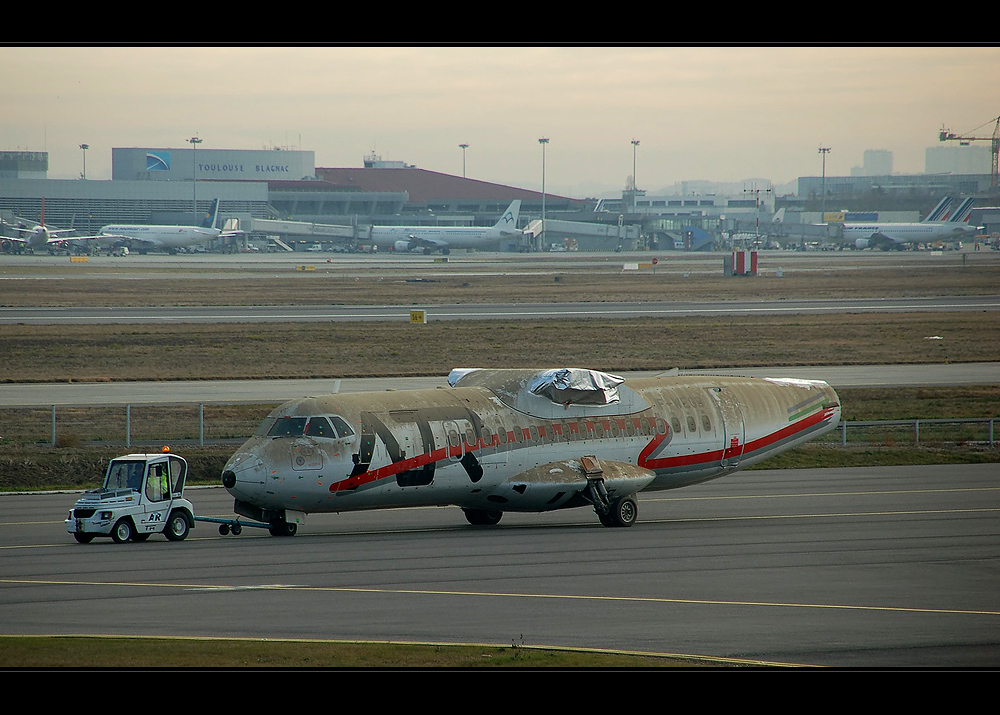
288	427
343	429
320	427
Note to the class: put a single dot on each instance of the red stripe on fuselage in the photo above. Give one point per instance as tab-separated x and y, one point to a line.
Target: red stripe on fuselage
717	455
437	455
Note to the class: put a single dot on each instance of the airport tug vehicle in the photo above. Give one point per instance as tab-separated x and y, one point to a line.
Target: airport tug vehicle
143	494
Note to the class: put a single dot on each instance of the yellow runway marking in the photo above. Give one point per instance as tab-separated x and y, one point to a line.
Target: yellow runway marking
501	594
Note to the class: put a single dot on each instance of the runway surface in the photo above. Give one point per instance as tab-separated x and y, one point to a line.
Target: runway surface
221	391
503	311
871	567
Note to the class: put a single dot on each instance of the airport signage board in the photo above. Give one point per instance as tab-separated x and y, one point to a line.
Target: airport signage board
165	164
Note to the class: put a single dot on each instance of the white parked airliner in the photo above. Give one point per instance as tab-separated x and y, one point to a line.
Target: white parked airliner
147	236
444	238
167	238
938	226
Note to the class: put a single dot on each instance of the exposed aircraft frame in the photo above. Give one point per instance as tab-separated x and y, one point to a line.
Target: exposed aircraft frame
518	440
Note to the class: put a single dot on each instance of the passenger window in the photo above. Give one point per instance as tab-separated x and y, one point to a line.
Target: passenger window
692	425
706	423
320	427
677	425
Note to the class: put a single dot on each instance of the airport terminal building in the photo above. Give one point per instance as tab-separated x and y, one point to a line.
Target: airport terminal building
281	190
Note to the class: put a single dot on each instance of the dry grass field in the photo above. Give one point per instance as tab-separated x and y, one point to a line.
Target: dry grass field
319	350
334	350
543	282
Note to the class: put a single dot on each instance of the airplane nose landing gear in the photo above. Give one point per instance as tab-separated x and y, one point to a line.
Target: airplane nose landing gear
621	512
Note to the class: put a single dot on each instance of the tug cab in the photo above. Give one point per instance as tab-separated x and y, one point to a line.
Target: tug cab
142	494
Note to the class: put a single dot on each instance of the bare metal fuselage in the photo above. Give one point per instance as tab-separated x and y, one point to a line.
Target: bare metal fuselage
490	444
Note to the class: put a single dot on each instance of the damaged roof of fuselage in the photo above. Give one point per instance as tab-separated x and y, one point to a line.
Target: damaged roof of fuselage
554	393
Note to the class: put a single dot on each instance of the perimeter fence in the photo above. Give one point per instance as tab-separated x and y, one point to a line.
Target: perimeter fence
228	423
127	425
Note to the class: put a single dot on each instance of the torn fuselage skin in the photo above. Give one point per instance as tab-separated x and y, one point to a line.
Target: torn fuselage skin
490	444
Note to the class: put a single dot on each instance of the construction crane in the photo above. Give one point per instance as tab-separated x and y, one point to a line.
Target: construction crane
995	139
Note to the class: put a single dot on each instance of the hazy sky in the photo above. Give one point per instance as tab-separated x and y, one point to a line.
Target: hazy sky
715	113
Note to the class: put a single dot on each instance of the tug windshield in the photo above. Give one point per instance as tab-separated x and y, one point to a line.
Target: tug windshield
124	474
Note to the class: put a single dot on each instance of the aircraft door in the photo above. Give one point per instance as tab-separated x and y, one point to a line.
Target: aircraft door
456	444
734	429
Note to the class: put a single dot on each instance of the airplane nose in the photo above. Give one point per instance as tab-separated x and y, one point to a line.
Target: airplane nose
243	475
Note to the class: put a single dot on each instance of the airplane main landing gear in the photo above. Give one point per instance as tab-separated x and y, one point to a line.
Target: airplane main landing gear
480	517
283	528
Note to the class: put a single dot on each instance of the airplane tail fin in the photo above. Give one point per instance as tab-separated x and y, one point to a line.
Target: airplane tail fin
779	216
211	216
961	214
509	218
939	212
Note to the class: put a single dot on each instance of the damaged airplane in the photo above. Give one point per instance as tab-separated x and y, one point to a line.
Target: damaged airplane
517	440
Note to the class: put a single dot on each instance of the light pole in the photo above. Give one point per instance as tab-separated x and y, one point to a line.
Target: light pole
543	141
194	141
635	143
824	150
464	147
85	147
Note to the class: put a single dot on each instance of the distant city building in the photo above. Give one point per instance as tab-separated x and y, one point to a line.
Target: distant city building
877	162
962	159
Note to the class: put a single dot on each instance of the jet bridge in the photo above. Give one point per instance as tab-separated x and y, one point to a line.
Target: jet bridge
283	232
586	236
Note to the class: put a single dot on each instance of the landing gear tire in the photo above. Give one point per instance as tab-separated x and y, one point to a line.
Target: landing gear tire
283	528
177	527
83	538
123	531
481	517
624	511
237	529
224	529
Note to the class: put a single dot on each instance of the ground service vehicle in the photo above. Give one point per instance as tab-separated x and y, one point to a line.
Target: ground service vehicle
143	494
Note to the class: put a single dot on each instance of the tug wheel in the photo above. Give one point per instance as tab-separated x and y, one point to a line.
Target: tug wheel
177	527
123	531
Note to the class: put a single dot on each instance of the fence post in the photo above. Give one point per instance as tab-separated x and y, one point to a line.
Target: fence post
843	433
916	432
201	424
991	433
53	425
128	425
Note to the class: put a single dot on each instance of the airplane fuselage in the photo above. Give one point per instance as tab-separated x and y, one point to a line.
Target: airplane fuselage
490	445
161	236
444	238
924	232
450	237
